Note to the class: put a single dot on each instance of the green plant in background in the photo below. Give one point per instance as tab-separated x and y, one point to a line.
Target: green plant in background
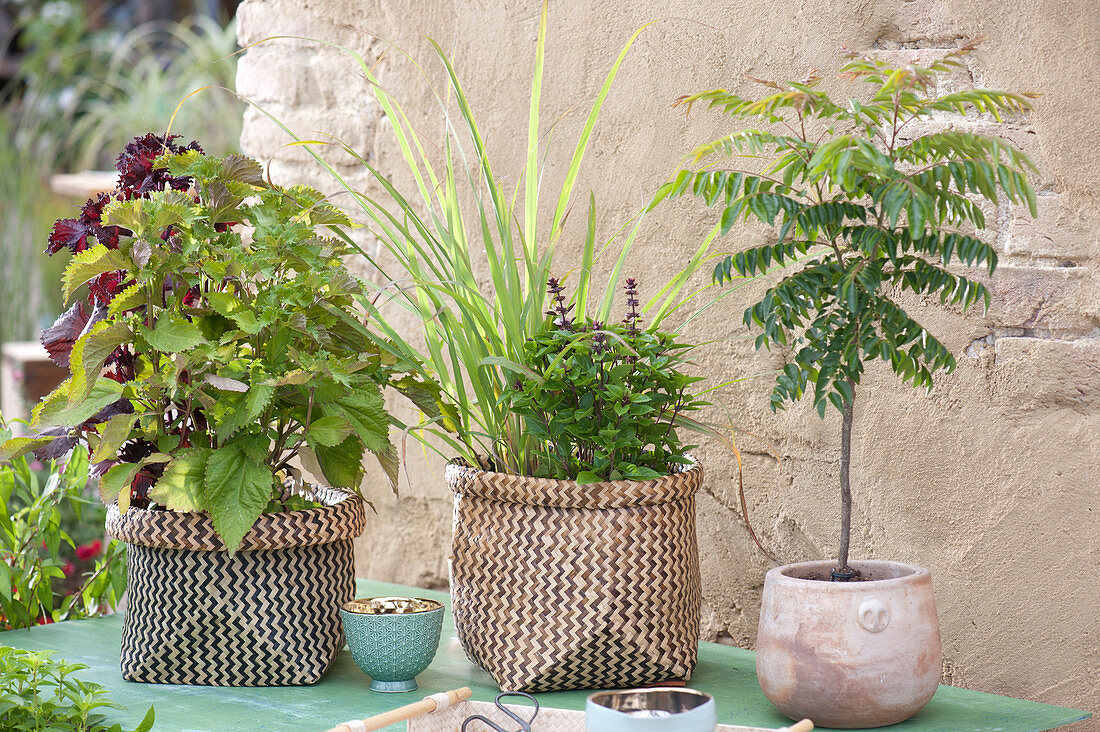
27	211
869	213
76	95
39	693
226	357
602	401
462	227
79	91
149	72
39	577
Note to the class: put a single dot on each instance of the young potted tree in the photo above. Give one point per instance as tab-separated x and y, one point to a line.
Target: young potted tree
221	339
865	212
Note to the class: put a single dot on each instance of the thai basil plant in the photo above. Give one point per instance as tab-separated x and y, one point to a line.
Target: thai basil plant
218	340
866	211
602	401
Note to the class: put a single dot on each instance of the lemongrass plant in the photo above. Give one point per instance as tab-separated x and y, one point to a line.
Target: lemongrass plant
461	222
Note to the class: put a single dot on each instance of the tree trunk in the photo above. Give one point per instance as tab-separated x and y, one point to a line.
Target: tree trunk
843	572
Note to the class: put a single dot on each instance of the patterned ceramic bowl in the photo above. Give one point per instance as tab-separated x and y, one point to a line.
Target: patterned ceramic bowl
392	638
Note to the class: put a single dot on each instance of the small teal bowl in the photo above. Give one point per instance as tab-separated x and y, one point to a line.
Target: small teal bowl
651	710
392	647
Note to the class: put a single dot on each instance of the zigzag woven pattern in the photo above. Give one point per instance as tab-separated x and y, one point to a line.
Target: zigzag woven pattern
257	618
548	598
342	517
568	493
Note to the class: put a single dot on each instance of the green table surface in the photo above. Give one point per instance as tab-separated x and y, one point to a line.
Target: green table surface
727	673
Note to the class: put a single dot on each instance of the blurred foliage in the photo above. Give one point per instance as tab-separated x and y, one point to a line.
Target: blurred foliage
80	93
83	87
27	211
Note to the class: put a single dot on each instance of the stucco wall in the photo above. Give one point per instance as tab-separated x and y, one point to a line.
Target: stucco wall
990	482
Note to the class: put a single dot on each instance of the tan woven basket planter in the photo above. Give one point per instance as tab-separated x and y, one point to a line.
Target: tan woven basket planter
556	585
266	616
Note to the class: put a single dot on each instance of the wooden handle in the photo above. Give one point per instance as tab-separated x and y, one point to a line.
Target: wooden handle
804	726
401	714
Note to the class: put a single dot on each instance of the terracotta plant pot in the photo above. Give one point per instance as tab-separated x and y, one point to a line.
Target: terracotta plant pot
266	616
849	655
560	585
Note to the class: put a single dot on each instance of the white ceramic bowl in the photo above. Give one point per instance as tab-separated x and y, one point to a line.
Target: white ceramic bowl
650	710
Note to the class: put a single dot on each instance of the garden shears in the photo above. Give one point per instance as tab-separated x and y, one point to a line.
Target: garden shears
524	724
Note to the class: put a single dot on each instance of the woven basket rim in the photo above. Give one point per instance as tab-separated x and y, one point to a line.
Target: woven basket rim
341	517
555	492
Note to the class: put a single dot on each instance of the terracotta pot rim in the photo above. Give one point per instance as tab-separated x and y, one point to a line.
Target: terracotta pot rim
913	572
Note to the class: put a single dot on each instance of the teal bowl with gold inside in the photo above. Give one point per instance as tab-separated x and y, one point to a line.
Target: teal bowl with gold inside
392	639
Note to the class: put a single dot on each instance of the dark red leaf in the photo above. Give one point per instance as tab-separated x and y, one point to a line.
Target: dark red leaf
102	289
92	215
69	234
136	174
77	234
122	406
60	337
145	479
98	470
121	364
66	441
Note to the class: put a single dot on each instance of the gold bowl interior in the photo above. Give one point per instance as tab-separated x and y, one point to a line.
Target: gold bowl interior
391	605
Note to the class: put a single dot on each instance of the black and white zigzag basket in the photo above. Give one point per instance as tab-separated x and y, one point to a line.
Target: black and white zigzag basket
266	616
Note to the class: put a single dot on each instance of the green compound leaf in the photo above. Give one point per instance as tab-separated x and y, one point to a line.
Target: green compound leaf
342	465
54	409
17	446
112	434
151	215
243	410
112	482
365	411
227	304
147	721
244	169
132	297
390	461
328	431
